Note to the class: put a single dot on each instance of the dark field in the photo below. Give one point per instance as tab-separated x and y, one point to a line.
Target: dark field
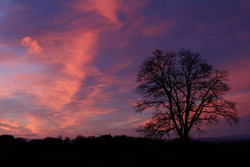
120	151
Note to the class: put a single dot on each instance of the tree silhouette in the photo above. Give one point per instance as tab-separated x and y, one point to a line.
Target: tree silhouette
184	91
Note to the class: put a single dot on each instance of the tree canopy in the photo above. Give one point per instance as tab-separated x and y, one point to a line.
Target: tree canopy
184	91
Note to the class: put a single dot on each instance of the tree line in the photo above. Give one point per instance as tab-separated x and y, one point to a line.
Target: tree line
107	150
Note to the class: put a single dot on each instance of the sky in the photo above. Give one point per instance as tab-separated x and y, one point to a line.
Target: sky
68	67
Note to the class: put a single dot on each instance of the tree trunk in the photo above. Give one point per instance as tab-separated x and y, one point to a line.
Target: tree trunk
185	139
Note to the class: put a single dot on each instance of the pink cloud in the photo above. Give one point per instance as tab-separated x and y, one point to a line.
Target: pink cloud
56	88
240	82
140	124
155	30
106	8
51	83
32	45
242	103
65	60
239	74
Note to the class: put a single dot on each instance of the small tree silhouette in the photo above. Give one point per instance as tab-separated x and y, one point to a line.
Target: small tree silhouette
184	91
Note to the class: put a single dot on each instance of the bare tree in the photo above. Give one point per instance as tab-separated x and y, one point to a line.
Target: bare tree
184	91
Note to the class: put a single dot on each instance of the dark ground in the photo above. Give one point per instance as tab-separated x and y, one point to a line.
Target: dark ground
120	151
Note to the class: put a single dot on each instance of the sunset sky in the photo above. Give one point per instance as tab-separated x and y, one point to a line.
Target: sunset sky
68	67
